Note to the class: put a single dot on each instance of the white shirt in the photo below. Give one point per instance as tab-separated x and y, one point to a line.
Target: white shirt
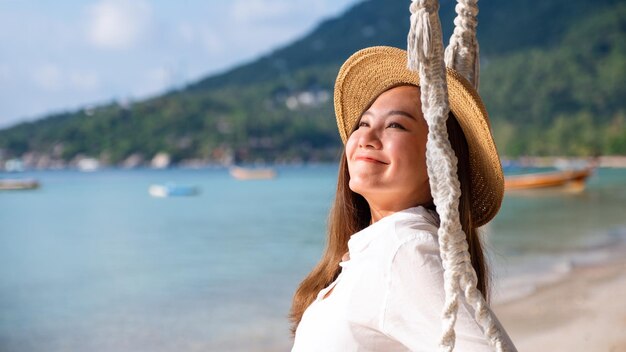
389	295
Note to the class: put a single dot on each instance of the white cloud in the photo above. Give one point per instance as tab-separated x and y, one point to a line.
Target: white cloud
118	24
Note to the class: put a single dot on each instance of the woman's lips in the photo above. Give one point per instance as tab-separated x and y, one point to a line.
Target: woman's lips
370	160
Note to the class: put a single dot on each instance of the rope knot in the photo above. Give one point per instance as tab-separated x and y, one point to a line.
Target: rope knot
420	36
429	6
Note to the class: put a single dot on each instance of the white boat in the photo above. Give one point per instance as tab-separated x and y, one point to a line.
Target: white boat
173	190
243	173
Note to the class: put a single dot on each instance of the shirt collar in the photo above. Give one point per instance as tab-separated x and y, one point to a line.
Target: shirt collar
361	240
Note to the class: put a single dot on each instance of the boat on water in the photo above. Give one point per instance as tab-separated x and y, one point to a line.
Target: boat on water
173	190
572	179
18	184
244	173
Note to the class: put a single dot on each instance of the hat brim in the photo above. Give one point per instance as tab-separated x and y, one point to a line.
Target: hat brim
371	71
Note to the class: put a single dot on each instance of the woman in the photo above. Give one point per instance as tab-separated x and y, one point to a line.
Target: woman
380	285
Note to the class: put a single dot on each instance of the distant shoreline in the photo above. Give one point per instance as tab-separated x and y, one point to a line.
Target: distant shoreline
34	164
607	161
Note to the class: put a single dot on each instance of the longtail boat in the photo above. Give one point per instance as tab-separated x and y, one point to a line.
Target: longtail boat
574	179
18	184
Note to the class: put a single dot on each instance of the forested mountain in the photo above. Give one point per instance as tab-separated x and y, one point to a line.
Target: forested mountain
552	77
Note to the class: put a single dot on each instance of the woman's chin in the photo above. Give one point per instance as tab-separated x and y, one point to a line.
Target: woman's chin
365	186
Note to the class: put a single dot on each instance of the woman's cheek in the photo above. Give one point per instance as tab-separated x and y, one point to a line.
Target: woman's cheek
351	145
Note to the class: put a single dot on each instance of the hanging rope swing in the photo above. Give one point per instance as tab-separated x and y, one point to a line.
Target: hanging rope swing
426	56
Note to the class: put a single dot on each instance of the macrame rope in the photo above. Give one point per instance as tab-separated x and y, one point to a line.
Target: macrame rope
425	54
462	53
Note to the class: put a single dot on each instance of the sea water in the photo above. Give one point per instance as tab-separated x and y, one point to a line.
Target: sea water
91	262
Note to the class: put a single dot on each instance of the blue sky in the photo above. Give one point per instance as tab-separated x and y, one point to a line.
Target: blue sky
63	55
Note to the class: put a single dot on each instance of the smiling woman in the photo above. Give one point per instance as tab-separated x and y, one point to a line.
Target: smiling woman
381	283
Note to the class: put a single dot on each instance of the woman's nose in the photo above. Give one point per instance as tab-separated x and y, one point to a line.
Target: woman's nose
370	139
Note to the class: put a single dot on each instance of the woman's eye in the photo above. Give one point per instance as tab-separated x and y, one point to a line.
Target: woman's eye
396	125
363	123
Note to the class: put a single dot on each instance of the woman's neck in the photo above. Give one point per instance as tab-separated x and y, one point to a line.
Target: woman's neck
377	213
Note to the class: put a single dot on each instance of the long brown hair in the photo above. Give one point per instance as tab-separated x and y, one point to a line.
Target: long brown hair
350	213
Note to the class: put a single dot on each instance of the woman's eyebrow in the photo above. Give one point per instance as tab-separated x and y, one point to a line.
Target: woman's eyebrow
393	112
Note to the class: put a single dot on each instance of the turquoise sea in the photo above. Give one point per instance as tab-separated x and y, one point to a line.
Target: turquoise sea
91	262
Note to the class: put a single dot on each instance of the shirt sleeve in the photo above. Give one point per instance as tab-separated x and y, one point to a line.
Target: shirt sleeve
415	297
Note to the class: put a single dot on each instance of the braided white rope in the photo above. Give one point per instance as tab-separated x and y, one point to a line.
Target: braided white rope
462	53
425	54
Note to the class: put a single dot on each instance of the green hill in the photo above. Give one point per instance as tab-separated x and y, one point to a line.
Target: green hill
552	78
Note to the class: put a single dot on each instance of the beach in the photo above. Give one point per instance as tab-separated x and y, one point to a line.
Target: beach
584	310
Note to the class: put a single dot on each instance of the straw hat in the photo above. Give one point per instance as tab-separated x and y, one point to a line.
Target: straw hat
371	71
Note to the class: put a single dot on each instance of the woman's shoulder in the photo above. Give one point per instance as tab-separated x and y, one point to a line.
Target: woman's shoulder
413	227
416	224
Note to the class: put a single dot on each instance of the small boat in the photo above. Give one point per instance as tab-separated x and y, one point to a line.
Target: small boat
172	190
18	184
243	173
574	179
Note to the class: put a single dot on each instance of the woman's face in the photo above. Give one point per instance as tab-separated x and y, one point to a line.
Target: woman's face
386	154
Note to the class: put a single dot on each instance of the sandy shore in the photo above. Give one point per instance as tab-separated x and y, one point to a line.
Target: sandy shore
585	311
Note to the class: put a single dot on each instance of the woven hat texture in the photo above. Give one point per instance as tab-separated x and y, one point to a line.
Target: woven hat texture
371	71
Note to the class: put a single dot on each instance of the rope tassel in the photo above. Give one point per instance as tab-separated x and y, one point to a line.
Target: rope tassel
462	52
426	55
419	36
